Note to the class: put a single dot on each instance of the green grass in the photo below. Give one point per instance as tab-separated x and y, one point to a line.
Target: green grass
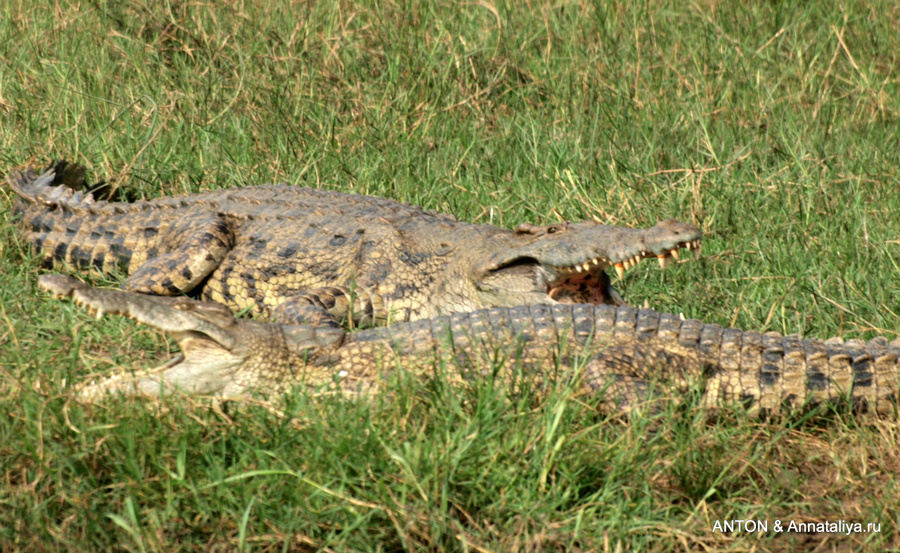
773	125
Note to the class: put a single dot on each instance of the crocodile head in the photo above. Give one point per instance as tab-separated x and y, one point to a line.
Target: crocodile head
567	262
220	354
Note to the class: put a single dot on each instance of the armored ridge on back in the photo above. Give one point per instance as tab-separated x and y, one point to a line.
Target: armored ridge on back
622	354
323	257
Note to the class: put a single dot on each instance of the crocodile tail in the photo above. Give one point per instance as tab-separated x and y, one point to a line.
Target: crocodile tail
55	187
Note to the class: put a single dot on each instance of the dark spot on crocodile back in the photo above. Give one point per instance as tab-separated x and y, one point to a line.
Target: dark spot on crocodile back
862	374
366	247
79	257
150	232
289	250
325	271
280	270
97	262
325	301
249	279
121	253
338	240
187	273
60	251
36	222
412	259
170	287
769	374
379	272
406	289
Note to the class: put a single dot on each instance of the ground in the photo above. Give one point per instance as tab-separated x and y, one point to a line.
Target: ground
773	126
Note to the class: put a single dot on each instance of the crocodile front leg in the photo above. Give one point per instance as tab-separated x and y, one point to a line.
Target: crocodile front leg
184	267
331	306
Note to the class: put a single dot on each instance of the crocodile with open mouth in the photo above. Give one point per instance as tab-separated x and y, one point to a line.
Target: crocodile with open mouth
323	257
621	354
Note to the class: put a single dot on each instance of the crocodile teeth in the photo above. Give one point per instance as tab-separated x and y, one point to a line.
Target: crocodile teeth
586	266
663	261
674	254
620	270
698	245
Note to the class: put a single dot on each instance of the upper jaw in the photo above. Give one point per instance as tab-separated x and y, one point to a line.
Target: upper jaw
663	256
528	281
588	282
588	247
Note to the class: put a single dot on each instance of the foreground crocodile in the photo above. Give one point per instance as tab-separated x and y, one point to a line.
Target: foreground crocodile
622	353
304	255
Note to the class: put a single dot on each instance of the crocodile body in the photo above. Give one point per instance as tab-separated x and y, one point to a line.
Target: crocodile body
620	352
322	257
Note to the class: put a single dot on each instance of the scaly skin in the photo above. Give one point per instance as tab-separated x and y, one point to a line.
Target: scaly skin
621	353
304	255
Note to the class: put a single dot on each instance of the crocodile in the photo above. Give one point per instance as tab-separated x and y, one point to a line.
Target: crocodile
620	355
327	258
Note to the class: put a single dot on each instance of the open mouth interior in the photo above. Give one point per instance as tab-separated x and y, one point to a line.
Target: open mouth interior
582	288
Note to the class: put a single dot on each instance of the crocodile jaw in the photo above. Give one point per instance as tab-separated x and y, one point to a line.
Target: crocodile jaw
567	262
589	283
212	342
